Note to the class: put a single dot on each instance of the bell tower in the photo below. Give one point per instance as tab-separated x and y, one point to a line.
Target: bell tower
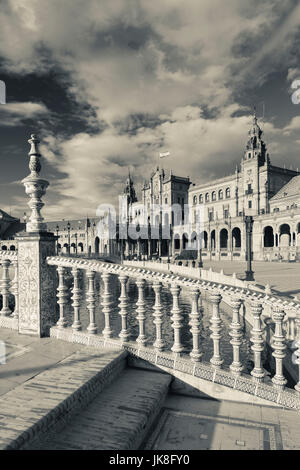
255	146
255	163
129	191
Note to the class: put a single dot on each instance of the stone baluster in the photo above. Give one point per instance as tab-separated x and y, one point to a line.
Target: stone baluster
236	334
91	301
297	345
76	300
195	322
5	288
159	343
62	297
278	344
286	328
15	290
141	317
215	328
176	319
257	338
292	335
106	304
125	332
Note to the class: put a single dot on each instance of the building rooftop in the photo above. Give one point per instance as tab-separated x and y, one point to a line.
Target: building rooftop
292	188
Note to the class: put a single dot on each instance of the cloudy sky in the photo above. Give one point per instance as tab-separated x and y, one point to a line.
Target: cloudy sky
108	84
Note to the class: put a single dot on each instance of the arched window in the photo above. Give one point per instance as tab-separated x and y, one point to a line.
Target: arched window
221	194
213	196
200	198
227	193
195	199
206	197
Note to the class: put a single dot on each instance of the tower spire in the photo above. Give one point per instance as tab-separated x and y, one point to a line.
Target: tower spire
256	147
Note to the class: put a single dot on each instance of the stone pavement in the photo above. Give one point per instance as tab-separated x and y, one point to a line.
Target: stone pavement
27	356
190	423
283	277
47	383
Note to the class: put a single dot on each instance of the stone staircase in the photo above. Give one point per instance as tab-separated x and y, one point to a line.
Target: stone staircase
118	418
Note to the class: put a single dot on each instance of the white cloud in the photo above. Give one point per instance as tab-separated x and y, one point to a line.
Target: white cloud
12	114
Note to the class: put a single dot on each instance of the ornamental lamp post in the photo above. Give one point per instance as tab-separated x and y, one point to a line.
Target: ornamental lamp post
249	226
69	240
57	230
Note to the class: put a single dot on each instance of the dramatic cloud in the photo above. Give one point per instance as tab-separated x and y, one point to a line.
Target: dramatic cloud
13	114
152	75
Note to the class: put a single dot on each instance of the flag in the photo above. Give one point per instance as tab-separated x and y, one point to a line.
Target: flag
164	154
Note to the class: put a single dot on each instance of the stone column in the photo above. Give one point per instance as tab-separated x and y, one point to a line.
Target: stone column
37	280
36	283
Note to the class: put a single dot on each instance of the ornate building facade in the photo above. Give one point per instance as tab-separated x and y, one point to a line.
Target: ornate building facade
259	189
268	193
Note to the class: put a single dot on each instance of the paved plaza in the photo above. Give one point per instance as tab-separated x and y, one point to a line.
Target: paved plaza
282	277
40	374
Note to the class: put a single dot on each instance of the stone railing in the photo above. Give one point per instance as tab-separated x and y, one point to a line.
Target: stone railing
9	290
176	356
195	272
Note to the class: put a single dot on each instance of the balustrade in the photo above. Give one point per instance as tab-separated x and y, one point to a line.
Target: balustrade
177	314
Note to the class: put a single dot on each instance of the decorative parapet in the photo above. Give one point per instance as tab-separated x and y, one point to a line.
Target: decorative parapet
198	273
169	279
